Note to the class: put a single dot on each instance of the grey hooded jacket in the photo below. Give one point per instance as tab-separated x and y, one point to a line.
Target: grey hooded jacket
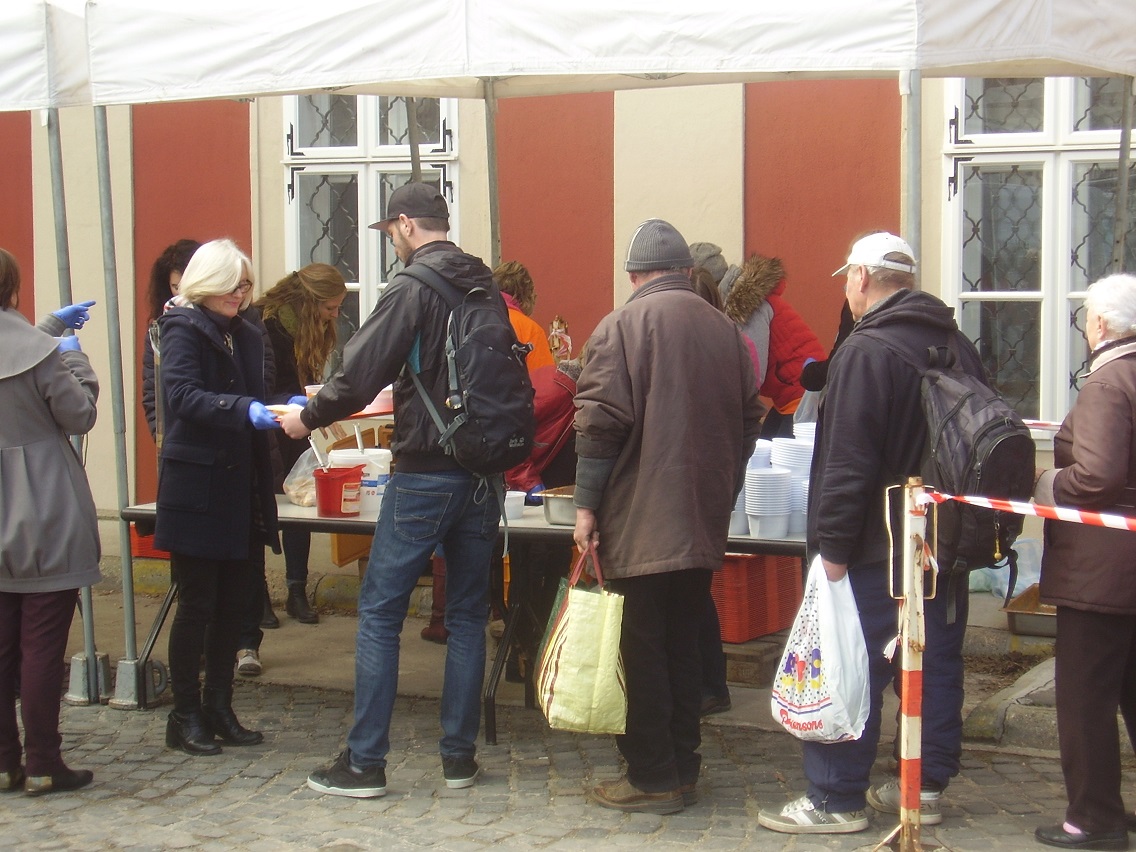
49	535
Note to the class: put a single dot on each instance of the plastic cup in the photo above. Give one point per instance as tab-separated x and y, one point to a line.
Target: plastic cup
514	505
311	390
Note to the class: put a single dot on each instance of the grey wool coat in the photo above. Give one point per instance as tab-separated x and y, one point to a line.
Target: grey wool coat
49	534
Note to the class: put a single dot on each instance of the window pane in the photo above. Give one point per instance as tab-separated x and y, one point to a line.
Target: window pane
327	121
345	328
1001	228
393	129
1078	347
1008	338
328	210
1093	214
1004	105
1098	103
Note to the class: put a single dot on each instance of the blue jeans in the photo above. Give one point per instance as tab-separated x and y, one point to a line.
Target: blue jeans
839	773
419	512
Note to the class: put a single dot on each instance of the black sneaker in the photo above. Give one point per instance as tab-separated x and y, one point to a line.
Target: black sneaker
459	772
340	779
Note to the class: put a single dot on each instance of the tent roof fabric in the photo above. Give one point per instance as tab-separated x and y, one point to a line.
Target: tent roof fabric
72	53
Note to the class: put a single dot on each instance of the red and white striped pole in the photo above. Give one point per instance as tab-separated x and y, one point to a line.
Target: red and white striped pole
912	640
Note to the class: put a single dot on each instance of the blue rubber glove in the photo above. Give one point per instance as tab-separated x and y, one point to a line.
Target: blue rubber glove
298	400
70	343
75	316
532	496
260	417
809	361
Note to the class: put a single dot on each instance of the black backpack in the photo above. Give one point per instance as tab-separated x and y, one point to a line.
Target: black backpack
490	423
977	445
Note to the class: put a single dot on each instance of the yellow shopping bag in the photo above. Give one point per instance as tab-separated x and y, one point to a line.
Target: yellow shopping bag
579	677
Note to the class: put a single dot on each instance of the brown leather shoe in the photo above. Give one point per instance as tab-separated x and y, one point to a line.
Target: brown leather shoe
12	781
689	793
624	796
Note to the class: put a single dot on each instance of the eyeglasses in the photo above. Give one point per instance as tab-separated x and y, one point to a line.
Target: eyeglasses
242	287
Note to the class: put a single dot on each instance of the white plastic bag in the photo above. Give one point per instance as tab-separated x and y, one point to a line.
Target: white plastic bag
300	483
820	688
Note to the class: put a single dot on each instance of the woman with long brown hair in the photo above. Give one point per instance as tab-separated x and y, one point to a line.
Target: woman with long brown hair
299	313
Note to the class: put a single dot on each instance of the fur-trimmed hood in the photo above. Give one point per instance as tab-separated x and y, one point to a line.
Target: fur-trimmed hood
760	277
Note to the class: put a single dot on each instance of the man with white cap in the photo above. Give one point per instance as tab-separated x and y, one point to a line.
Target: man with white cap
872	434
668	414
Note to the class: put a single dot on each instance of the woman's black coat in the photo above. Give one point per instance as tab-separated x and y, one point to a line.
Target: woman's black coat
214	477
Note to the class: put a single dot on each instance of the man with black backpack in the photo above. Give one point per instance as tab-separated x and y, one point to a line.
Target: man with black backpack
463	414
872	433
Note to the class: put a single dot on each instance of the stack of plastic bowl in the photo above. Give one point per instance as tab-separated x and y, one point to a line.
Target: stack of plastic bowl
798	506
761	453
739	523
794	454
767	501
805	431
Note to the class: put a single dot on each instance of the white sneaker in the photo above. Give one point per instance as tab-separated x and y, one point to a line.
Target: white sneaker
885	799
248	662
800	816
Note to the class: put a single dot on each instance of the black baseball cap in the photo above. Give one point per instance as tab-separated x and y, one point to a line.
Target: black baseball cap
415	201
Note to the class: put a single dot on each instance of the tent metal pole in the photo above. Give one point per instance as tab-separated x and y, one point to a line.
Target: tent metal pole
125	682
1120	220
491	157
911	179
85	680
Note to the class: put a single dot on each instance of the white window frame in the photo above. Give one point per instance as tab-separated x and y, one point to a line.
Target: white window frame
1057	150
368	160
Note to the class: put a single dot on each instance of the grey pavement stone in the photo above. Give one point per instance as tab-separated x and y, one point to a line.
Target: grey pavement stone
532	794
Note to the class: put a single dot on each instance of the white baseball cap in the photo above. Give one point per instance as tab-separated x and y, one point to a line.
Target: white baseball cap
870	251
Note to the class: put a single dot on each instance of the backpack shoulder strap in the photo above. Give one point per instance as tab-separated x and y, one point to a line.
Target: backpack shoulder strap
424	274
895	349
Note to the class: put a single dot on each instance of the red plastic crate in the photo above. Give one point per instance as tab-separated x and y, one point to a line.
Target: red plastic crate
756	595
142	546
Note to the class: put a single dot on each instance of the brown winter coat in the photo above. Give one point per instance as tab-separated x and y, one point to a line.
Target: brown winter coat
668	396
1087	567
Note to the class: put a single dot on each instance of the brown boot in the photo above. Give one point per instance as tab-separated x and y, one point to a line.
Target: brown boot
436	630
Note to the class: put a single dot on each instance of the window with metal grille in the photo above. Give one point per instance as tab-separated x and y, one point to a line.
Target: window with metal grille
1032	177
343	156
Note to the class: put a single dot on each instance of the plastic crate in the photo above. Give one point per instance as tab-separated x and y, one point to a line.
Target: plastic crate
756	595
142	546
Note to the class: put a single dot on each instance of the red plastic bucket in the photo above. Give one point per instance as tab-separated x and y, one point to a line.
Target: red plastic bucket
337	491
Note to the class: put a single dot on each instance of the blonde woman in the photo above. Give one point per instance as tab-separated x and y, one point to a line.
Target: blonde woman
300	314
216	510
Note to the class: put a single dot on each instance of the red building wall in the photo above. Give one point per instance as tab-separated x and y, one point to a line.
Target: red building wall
556	159
822	165
191	180
16	212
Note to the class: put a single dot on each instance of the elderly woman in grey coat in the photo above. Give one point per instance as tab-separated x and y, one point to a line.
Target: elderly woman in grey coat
1087	573
49	536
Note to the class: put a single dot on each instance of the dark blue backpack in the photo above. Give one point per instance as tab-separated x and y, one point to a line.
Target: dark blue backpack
489	422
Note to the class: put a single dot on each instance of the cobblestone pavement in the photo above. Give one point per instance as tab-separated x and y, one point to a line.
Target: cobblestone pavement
531	793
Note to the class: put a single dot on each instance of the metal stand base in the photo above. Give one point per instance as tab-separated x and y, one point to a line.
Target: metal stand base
78	690
139	684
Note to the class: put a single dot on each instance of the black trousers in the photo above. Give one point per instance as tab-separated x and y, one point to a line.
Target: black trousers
1096	675
662	614
215	598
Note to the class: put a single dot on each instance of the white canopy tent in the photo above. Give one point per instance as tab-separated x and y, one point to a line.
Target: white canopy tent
161	50
56	53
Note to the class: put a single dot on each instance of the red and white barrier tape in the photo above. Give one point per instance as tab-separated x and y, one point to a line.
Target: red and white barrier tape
1057	513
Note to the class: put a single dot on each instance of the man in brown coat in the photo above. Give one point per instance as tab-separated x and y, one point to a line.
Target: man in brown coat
668	415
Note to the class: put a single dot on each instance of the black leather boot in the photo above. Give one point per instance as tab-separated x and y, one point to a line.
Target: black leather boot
191	733
268	619
298	607
217	707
